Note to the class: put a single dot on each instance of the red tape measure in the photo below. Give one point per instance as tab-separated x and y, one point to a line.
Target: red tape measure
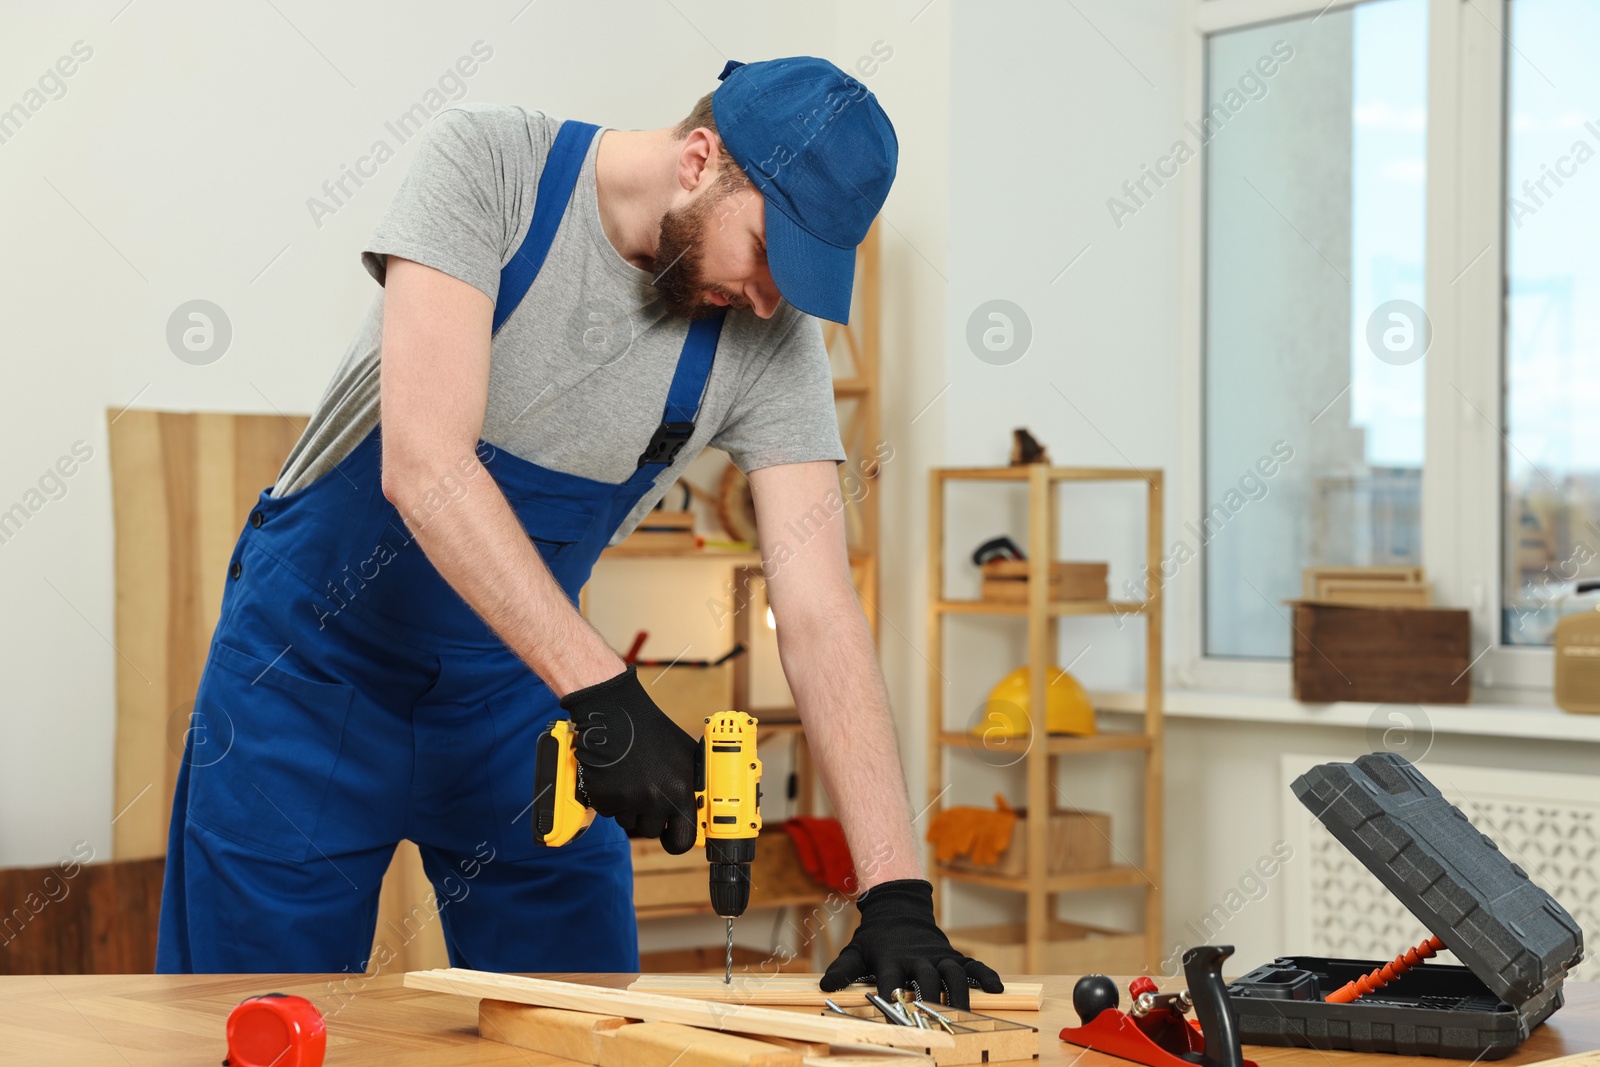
276	1030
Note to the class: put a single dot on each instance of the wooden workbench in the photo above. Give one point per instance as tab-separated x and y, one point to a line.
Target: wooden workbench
173	1021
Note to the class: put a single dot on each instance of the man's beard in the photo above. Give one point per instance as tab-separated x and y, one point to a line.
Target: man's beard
680	254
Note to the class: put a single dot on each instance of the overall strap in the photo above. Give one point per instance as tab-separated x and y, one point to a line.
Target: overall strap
556	183
683	398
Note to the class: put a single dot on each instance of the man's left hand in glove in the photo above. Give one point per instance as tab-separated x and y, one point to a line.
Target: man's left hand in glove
899	945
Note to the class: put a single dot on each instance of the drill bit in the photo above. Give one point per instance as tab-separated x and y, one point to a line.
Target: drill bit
936	1016
727	978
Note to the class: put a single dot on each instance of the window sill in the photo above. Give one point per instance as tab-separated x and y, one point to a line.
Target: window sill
1543	723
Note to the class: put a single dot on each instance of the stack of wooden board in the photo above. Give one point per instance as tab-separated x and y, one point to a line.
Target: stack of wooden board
1007	580
630	1028
1378	587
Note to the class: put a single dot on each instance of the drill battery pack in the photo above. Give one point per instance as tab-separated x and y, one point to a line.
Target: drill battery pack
1516	944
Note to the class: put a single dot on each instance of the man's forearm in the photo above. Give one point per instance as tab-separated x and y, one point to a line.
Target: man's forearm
477	544
839	691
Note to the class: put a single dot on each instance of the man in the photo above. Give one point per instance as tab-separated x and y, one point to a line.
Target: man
569	316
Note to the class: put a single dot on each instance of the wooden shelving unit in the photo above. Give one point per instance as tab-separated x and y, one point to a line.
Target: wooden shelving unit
1042	943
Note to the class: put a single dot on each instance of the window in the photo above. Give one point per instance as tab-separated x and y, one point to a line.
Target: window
1551	449
1314	135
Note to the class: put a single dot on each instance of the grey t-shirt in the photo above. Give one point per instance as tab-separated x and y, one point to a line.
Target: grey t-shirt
579	374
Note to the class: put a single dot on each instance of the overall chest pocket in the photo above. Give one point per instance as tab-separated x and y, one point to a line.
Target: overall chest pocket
552	527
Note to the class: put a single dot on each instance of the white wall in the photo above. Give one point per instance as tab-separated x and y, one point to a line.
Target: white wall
1053	107
177	165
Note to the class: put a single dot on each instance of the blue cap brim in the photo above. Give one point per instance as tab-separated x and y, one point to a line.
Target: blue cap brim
812	274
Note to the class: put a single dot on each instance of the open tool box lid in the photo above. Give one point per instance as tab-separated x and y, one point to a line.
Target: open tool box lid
1516	941
1512	934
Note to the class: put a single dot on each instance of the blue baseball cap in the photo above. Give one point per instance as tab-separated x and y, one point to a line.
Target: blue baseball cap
819	148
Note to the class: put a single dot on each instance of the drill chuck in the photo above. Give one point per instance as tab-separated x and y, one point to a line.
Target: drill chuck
730	874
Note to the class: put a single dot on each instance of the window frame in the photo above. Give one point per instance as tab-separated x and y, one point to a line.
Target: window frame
1465	237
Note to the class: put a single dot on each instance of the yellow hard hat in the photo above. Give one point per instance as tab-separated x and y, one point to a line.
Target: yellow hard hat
1067	707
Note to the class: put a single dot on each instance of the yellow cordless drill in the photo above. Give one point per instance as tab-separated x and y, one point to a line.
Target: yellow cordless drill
727	799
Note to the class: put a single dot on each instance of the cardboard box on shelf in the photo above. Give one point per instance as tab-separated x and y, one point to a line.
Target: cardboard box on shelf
1078	841
1007	580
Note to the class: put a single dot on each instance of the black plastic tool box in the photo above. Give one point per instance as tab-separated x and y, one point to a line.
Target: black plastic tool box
1516	942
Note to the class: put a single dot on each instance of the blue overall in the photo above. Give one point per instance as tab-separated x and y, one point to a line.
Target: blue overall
351	699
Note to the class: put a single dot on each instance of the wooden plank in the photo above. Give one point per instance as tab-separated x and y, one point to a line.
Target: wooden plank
800	990
1311	578
652	1007
896	1058
1374	594
182	486
139	533
409	935
656	1044
804	1048
572	1035
614	1041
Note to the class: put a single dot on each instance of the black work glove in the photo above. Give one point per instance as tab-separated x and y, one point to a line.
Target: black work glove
900	945
634	764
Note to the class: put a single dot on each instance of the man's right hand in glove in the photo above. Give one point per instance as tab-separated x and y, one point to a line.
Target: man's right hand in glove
635	765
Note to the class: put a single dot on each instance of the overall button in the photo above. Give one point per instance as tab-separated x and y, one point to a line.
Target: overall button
235	570
256	518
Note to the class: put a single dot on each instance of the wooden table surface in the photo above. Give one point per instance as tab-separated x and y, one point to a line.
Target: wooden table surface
174	1021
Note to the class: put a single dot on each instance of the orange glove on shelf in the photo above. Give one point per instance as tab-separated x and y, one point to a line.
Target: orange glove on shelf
978	833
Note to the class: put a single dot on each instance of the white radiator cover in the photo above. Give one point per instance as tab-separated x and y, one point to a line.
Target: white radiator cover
1548	824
